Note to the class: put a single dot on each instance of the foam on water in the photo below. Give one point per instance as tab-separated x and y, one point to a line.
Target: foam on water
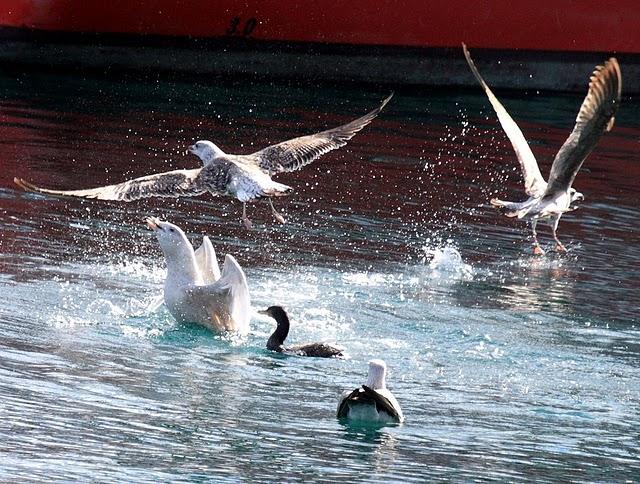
445	263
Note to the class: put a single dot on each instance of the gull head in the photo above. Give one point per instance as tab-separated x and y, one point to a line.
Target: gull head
377	372
172	239
575	195
206	151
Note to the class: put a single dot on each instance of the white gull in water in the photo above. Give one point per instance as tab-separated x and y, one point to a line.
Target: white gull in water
549	200
244	177
195	290
373	401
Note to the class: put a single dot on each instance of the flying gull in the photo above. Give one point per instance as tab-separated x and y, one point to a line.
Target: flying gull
276	341
548	200
372	401
195	290
245	177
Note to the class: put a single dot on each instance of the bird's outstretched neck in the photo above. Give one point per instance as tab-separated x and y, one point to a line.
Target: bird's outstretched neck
276	340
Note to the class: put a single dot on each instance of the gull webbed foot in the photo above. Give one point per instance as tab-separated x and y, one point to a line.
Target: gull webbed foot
247	223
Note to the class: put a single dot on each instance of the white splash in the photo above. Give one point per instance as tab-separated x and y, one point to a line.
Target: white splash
365	278
447	263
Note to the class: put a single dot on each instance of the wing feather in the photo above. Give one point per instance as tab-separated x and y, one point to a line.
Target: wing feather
343	404
383	403
207	261
596	116
229	295
534	183
175	183
296	153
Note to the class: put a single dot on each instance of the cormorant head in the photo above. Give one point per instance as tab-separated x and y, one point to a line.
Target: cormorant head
276	312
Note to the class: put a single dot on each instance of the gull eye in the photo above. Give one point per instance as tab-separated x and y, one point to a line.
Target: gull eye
172	230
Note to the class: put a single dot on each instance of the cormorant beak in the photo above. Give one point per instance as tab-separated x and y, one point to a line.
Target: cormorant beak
263	311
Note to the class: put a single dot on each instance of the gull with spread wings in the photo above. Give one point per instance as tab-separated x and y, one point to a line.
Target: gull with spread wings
548	200
245	177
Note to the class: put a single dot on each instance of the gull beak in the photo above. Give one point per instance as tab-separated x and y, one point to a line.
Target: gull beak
191	149
153	223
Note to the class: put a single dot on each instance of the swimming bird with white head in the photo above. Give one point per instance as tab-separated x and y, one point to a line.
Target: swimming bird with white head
372	402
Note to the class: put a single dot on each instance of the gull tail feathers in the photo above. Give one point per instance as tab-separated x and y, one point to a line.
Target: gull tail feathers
512	209
275	189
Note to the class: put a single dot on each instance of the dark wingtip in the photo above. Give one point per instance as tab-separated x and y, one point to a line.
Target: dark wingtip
25	185
612	64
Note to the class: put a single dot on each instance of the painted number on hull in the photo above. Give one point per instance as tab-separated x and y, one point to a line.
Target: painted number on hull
238	27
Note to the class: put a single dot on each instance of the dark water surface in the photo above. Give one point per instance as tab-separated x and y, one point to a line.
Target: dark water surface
508	366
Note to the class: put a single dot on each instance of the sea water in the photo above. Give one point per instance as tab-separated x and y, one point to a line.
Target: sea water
508	366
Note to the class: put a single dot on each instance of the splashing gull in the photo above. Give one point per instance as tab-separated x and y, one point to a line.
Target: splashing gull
195	290
372	401
245	177
548	200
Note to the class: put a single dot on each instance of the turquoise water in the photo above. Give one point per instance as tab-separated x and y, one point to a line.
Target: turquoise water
508	366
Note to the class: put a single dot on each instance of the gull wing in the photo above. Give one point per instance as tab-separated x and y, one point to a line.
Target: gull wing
228	296
296	153
343	404
534	183
207	261
175	183
155	304
596	116
384	400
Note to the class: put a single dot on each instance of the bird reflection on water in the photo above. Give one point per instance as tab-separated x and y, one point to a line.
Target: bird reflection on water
377	445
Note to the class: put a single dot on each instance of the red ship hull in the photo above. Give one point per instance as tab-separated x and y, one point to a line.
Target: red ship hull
537	32
585	26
